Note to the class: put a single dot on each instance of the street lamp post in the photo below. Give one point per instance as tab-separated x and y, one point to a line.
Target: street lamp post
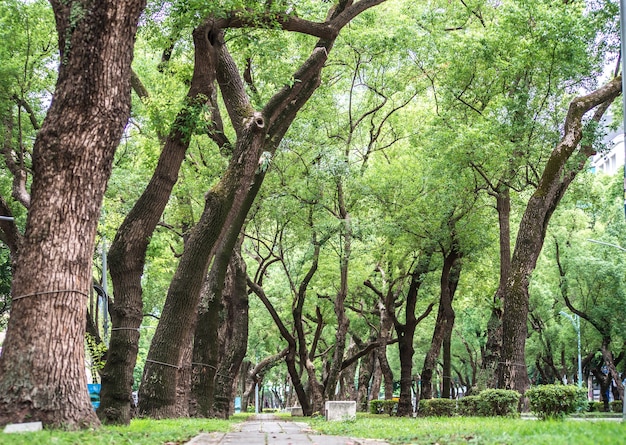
576	323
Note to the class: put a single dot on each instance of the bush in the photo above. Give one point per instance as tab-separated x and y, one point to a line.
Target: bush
469	406
556	401
595	407
383	406
616	406
438	407
499	402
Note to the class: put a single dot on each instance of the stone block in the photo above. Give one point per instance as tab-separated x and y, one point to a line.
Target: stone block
344	410
296	411
28	427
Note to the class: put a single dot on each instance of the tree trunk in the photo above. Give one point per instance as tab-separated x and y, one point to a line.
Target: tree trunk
406	333
205	357
366	371
564	163
234	334
343	323
446	391
493	347
128	251
42	369
225	203
445	319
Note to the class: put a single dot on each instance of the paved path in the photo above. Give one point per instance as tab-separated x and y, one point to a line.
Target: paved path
269	430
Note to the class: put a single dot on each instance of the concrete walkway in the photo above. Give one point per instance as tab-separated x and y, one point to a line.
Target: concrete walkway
266	429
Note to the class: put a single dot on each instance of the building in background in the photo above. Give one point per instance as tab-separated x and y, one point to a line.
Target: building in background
609	161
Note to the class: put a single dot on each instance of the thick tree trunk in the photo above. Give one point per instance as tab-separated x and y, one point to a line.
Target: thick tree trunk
225	203
228	203
128	251
366	372
564	163
42	369
205	352
347	385
234	334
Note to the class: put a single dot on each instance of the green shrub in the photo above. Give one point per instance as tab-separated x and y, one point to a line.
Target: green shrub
556	401
469	406
616	406
499	402
383	406
438	407
595	407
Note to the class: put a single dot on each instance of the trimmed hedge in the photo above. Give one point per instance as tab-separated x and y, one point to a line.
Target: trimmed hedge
499	402
556	401
595	407
616	406
469	406
489	403
383	406
437	407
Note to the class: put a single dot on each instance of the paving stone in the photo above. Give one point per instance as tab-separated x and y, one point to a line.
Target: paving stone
268	430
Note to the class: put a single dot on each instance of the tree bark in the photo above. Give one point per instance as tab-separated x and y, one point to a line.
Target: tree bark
227	204
128	250
493	346
445	321
343	323
42	372
406	332
564	163
205	351
366	372
234	334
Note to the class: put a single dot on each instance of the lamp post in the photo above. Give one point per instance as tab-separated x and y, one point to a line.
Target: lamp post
576	323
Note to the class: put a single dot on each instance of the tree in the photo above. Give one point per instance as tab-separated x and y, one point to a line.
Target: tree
566	160
127	254
42	365
228	203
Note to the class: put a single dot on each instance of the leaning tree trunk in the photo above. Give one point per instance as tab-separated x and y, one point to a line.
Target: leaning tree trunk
234	334
128	251
205	357
42	369
157	395
566	160
229	201
445	320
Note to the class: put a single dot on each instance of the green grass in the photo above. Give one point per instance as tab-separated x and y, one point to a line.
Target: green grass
468	430
421	431
140	432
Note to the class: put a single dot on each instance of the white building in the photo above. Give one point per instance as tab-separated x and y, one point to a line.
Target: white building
610	160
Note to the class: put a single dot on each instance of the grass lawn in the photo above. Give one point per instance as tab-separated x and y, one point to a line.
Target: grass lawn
140	432
431	431
476	430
